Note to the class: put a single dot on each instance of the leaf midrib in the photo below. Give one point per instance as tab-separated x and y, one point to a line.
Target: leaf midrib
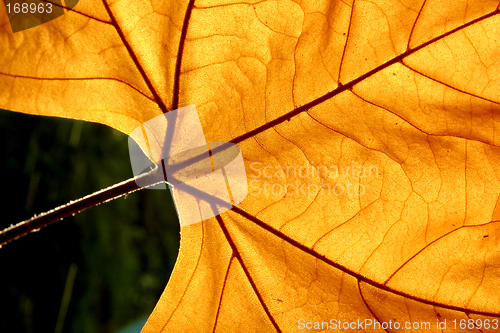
348	271
348	86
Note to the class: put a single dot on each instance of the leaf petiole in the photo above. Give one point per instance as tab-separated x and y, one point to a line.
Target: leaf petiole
113	192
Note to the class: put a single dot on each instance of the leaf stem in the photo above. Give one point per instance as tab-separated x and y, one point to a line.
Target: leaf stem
38	221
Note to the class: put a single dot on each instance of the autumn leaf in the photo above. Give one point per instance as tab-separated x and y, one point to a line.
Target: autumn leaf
369	131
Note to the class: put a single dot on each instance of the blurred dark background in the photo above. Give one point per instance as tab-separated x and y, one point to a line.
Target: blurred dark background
98	271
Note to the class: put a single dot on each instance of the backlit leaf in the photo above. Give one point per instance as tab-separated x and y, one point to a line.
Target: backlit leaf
396	103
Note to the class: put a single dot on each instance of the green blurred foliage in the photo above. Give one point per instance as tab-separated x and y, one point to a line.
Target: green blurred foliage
124	250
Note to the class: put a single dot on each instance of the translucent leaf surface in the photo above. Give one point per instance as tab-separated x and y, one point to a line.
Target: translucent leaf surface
397	103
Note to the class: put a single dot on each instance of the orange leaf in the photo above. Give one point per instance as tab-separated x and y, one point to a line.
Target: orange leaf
369	131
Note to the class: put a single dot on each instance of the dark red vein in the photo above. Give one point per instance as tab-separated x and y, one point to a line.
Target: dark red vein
222	293
78	12
134	58
180	52
352	273
348	86
447	85
367	306
91	17
346	40
77	79
414	25
189	282
245	269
